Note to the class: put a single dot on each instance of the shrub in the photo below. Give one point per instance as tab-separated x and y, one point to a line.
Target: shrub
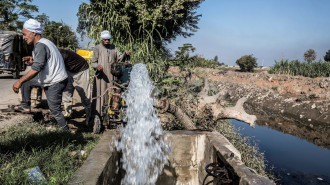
184	60
247	63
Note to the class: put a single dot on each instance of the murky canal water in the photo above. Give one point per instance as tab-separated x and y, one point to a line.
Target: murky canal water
295	160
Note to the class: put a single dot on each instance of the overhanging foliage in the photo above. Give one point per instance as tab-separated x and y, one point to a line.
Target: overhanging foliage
135	20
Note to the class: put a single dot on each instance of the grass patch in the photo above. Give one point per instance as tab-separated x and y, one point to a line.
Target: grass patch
57	153
312	96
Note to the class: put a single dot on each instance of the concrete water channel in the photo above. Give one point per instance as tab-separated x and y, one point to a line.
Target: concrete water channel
192	152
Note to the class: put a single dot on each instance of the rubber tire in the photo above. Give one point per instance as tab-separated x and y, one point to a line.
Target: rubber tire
17	69
16	74
97	125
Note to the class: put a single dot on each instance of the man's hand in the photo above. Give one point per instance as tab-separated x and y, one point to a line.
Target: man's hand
100	68
28	60
28	76
16	86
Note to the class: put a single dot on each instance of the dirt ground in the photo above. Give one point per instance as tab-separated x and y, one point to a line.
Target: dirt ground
40	112
301	98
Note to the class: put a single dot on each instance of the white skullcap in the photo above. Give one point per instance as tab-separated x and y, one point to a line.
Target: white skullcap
33	26
105	35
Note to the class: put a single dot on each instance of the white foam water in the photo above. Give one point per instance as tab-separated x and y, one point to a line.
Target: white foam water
143	146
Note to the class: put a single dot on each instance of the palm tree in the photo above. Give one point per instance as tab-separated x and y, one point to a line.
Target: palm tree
310	55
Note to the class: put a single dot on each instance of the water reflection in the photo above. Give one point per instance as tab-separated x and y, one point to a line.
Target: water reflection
316	133
294	159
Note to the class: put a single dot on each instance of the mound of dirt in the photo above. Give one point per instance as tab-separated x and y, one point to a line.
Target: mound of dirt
295	105
303	99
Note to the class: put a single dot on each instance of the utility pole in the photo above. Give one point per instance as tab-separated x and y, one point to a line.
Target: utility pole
58	29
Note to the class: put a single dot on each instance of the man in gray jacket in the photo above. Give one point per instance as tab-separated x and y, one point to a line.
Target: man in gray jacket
47	71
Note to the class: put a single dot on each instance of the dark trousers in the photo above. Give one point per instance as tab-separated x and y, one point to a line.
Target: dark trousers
53	95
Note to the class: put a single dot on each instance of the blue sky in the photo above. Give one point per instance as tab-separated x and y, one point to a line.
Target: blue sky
268	29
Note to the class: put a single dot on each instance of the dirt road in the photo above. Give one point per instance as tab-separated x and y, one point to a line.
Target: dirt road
7	95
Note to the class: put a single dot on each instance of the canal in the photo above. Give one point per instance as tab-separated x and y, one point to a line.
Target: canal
294	160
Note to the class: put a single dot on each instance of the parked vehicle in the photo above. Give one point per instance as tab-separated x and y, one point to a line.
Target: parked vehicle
12	49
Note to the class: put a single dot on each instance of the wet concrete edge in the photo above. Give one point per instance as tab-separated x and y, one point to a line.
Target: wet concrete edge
231	156
91	171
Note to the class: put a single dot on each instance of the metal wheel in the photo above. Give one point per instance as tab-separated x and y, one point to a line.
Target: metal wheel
97	125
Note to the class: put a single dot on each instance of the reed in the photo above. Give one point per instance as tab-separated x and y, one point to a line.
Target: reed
295	68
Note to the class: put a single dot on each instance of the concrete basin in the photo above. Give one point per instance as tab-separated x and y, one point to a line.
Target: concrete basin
192	151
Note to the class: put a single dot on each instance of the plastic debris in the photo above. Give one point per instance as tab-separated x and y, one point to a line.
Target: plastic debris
35	175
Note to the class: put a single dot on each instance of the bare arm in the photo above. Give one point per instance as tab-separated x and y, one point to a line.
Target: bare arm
120	56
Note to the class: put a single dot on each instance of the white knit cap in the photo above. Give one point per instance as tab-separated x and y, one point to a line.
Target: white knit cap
105	35
33	26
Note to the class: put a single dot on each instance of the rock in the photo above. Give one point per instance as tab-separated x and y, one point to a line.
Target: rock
83	154
313	106
72	154
323	84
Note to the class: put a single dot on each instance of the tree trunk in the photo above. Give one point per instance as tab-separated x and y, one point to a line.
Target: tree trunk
218	111
165	106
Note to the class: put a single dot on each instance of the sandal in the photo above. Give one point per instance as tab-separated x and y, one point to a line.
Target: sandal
20	108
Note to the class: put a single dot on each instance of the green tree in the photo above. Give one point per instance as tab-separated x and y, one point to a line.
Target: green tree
247	63
130	20
182	55
12	10
43	19
327	56
67	39
54	31
310	55
184	52
216	58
